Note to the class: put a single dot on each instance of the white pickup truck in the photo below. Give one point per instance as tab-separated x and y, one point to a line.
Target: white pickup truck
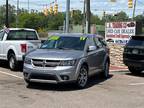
15	43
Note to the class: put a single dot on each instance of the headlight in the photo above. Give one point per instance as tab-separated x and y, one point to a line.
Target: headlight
27	61
67	63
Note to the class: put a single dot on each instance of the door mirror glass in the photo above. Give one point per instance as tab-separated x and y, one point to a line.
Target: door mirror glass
91	48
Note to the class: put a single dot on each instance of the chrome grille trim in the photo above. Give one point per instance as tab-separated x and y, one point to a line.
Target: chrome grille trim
45	63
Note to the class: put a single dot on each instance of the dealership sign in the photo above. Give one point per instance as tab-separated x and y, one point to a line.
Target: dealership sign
119	32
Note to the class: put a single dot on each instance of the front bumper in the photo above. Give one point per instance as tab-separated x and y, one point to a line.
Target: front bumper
134	63
57	74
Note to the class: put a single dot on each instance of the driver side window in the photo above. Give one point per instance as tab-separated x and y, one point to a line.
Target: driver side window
91	42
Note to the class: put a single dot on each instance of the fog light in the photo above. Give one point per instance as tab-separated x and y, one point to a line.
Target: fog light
65	77
25	74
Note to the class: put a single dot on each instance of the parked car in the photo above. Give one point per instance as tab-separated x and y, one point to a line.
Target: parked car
15	43
133	55
67	58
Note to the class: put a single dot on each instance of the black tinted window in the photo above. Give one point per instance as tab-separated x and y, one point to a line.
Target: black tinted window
98	43
1	35
22	35
136	42
103	41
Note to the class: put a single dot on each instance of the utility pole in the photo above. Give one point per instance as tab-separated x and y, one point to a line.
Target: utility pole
83	23
7	19
28	6
17	17
67	15
88	14
135	2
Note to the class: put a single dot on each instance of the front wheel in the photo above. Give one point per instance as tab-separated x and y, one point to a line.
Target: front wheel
105	72
13	64
28	83
82	77
135	70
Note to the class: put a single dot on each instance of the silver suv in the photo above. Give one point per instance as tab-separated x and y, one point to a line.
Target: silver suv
66	58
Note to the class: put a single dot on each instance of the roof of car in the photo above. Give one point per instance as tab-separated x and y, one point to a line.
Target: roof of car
19	29
74	35
138	37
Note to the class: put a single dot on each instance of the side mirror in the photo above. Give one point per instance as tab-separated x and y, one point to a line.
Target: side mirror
91	48
42	41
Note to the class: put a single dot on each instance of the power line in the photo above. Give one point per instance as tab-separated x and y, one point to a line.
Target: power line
35	2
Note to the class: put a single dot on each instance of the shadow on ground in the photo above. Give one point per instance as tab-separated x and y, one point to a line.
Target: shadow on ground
136	75
93	81
4	64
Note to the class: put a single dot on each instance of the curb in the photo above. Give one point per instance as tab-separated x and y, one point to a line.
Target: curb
118	68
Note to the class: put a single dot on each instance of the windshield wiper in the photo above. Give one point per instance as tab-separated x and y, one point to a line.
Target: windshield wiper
64	48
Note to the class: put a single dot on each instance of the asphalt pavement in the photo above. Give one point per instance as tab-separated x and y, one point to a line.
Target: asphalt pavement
120	90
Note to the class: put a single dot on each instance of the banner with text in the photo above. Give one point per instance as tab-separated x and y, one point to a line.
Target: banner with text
119	32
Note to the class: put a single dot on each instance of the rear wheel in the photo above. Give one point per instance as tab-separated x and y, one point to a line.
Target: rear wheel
135	70
13	64
83	77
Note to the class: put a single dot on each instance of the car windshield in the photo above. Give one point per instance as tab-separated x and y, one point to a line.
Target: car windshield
22	35
136	41
64	43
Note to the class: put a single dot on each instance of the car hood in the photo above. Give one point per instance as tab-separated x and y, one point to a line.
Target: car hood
55	54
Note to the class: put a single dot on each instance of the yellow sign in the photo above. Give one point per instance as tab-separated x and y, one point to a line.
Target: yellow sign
54	38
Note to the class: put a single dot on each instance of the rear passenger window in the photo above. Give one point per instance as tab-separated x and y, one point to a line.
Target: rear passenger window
1	35
103	41
98	43
22	35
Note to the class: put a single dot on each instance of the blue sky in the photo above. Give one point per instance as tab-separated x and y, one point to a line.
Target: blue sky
97	6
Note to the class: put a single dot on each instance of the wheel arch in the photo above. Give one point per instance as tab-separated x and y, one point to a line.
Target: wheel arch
10	51
85	64
108	59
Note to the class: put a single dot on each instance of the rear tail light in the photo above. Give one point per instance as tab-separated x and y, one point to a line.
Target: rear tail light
23	48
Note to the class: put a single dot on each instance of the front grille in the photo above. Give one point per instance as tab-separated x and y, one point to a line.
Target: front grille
130	50
45	63
134	53
134	56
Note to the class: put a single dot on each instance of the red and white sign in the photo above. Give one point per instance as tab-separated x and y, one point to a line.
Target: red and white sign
119	32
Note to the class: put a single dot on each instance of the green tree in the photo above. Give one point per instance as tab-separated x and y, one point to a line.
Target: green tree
121	16
107	18
54	21
96	20
12	15
139	18
31	20
76	17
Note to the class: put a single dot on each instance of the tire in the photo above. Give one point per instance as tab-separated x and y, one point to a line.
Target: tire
135	70
13	64
82	77
28	83
105	72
